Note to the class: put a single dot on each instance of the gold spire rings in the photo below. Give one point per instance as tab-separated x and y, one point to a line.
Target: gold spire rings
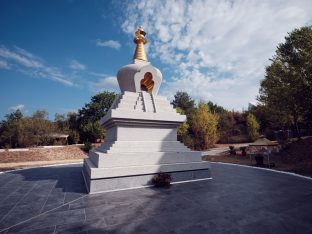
140	40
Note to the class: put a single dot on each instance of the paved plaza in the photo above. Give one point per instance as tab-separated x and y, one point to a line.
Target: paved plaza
237	200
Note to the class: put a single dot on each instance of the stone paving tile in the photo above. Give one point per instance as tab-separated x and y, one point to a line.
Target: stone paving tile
114	209
237	200
6	178
81	226
138	226
50	219
56	198
45	230
276	225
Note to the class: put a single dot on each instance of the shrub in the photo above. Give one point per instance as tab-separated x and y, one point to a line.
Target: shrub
243	149
162	180
87	146
73	137
282	137
232	150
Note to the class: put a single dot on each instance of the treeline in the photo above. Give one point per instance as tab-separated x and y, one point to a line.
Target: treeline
208	123
17	130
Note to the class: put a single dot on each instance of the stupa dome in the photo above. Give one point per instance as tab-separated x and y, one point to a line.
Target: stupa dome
140	75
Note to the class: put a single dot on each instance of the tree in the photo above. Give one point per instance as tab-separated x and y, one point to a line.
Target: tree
72	119
9	129
73	137
252	127
287	88
97	108
61	123
183	101
215	108
42	128
88	117
204	125
183	131
20	131
93	131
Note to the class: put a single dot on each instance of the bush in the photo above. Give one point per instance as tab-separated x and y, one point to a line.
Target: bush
252	127
232	150
282	137
87	146
162	180
243	149
92	131
73	137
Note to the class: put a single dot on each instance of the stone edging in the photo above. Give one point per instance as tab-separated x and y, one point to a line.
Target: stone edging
265	169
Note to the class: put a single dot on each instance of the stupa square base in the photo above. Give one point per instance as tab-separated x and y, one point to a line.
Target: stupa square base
106	184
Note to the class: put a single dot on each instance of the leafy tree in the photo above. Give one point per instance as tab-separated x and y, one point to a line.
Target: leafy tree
20	131
93	131
97	108
183	101
62	123
287	88
253	127
73	137
183	131
9	129
72	119
216	109
88	117
204	125
42	128
25	132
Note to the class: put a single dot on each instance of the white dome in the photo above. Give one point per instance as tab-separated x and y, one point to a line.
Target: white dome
130	77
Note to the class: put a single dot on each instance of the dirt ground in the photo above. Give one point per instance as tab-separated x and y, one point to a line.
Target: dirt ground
40	156
296	157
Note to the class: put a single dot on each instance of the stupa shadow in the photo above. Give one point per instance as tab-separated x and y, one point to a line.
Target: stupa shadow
32	192
67	178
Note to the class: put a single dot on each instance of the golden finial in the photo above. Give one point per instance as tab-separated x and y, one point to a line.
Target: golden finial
140	40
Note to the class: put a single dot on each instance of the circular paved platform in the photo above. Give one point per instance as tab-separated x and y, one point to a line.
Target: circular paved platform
237	200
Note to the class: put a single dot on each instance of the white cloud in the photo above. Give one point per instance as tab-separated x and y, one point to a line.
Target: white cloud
27	63
106	83
75	65
4	64
112	44
17	107
217	50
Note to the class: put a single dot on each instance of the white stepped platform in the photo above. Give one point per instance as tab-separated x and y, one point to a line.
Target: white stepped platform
141	142
101	160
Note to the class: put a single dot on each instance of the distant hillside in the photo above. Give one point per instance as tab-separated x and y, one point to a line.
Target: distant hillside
297	156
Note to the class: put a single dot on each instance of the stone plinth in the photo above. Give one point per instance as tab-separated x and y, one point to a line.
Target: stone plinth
141	142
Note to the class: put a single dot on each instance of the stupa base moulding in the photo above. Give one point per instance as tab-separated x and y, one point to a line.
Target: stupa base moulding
97	185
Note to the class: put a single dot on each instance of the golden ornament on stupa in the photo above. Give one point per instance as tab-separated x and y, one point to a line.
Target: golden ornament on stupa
140	40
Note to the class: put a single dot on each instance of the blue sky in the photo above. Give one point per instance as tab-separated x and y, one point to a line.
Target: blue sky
55	55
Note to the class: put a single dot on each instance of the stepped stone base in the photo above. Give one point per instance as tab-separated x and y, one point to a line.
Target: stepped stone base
141	142
97	185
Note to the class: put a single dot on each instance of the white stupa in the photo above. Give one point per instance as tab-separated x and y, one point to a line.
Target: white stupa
141	134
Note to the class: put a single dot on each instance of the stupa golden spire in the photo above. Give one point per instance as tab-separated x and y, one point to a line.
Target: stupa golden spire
140	40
